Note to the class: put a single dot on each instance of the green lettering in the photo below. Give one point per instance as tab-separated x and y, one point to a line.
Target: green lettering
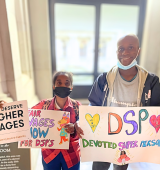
109	144
114	145
90	143
85	143
95	143
104	143
142	119
99	143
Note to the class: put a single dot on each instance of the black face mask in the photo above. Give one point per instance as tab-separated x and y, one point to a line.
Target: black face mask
62	92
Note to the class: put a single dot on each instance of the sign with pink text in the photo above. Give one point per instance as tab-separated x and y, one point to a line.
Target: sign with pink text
120	135
47	130
14	122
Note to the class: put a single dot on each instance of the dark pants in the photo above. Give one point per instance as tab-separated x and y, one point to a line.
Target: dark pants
106	165
59	163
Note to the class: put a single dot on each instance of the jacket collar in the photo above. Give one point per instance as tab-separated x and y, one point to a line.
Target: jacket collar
111	75
53	104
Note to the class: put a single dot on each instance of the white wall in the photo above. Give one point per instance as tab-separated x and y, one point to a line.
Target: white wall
25	59
40	34
150	54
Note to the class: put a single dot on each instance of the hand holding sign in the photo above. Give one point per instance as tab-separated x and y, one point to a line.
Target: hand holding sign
69	128
79	131
1	103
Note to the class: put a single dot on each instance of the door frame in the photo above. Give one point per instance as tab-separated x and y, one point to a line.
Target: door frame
82	91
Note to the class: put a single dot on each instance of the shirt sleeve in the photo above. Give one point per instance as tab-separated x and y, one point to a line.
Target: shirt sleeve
155	92
76	110
39	105
77	113
96	93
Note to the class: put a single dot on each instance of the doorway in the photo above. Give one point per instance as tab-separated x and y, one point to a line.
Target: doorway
84	36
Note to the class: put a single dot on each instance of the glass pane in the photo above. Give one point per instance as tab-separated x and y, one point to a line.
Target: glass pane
82	80
116	21
74	31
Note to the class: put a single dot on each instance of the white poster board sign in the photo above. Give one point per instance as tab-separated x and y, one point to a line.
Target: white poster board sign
14	122
47	130
120	135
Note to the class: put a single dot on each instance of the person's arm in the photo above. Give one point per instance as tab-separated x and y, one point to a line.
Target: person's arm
38	105
75	129
78	129
96	94
95	98
155	92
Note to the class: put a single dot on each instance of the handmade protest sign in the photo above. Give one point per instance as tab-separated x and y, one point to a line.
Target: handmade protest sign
14	122
120	135
47	130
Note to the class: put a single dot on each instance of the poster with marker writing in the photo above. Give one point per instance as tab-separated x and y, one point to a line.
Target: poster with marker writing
120	135
14	122
47	130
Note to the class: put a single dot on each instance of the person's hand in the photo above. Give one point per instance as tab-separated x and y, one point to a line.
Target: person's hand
69	128
1	103
78	130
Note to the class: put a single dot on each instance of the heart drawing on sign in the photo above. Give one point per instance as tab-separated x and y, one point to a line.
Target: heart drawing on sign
155	122
93	121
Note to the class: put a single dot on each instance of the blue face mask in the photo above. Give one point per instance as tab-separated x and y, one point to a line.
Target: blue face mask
121	66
